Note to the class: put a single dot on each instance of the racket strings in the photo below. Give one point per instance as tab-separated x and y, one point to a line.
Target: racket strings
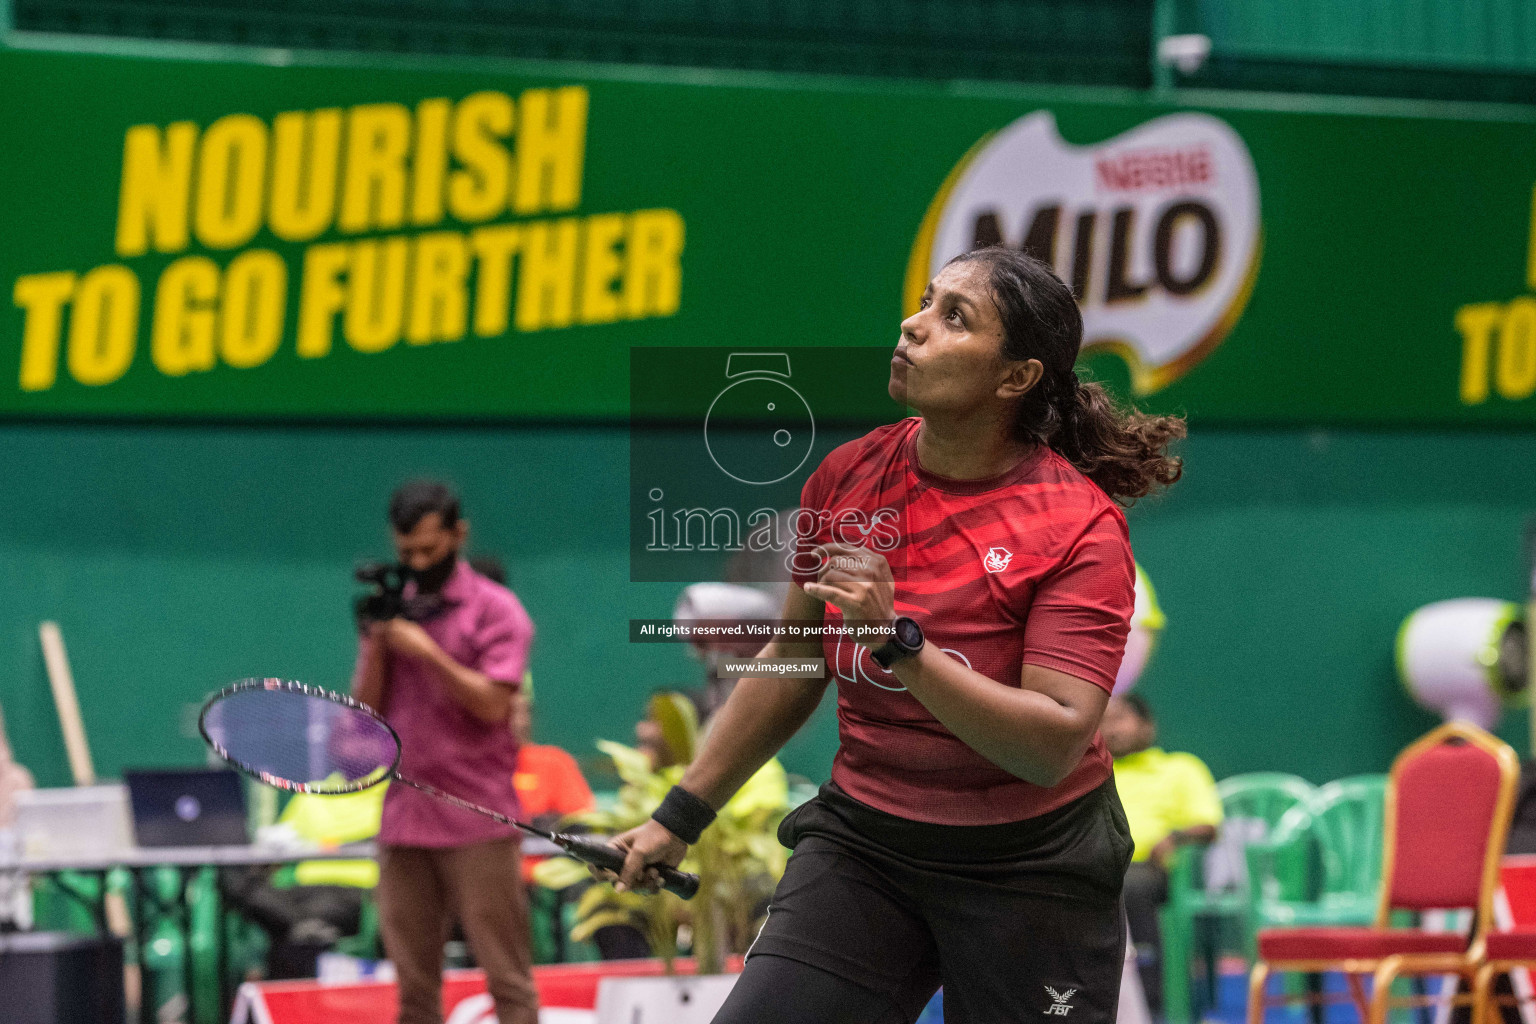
298	741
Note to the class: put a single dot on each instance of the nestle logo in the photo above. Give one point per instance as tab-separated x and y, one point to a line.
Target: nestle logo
1137	169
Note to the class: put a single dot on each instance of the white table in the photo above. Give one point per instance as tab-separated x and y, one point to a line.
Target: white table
140	857
187	861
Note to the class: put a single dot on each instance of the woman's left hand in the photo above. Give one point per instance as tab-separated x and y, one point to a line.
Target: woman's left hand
858	582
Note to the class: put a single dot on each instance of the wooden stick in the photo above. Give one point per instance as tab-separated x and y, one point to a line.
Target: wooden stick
62	680
68	705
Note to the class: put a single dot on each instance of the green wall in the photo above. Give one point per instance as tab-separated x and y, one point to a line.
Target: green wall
179	558
1286	561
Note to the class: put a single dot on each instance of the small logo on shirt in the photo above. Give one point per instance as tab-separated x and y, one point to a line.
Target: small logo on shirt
1059	1007
997	559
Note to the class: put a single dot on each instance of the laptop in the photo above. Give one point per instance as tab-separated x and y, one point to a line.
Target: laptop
187	807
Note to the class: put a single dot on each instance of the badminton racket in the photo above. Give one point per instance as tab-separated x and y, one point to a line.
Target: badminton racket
308	740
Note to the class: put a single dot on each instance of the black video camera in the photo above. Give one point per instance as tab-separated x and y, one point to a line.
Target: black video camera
387	600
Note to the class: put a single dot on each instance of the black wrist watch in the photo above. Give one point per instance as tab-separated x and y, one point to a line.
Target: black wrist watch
907	642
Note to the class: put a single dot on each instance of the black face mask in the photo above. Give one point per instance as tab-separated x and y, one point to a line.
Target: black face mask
435	576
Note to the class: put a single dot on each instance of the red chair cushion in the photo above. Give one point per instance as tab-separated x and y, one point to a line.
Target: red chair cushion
1512	945
1353	943
1446	798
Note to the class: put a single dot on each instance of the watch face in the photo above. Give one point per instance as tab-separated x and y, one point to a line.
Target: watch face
908	632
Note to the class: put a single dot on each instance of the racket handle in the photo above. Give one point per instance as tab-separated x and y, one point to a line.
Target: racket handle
600	854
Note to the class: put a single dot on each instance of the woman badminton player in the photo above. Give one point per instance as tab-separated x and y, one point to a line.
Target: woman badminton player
970	834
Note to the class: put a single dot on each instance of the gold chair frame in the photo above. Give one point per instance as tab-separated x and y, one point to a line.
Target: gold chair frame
1385	970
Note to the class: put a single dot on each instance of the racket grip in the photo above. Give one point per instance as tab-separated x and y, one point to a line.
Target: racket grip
600	854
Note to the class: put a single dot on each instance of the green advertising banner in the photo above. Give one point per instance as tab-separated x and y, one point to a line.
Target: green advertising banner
350	237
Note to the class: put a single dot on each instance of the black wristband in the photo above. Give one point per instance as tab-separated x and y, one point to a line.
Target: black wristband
684	815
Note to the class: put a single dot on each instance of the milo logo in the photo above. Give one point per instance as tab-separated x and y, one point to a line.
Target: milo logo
1156	230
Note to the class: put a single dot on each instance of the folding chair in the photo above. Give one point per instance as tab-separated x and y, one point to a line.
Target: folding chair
1503	951
1448	809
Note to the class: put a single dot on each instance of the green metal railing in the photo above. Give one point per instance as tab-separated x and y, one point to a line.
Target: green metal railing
1089	42
1467	50
1481	50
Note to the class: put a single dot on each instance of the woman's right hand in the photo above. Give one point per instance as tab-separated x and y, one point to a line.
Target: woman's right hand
645	845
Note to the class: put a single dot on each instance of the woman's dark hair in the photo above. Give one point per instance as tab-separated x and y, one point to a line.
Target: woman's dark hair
1124	451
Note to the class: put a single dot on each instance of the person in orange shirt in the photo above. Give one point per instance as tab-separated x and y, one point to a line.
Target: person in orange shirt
548	781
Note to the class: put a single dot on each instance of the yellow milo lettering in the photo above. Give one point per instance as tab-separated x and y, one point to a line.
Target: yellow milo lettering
375	294
478	190
306	156
321	297
546	277
601	267
1515	369
251	313
42	298
494	247
103	325
373	193
653	274
429	162
156	185
439	302
1475	324
231	180
181	333
1498	341
551	145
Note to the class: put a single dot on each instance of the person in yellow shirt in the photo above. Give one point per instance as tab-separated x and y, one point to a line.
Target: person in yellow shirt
305	910
1170	799
334	820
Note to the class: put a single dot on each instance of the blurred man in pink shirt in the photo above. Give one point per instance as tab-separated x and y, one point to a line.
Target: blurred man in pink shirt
446	685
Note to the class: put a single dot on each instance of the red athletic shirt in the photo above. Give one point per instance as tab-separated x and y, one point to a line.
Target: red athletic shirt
1033	566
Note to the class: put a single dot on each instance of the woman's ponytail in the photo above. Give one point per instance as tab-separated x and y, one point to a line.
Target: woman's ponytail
1124	451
